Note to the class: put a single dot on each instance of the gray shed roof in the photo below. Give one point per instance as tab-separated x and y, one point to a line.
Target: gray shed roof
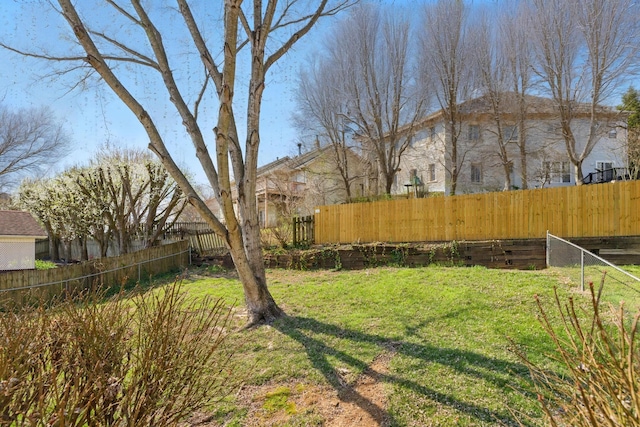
19	223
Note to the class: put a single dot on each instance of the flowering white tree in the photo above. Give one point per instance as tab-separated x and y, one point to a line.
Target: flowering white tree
135	195
61	209
113	198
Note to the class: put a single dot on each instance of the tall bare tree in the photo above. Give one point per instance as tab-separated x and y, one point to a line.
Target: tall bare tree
493	80
584	50
31	140
320	118
515	49
258	32
447	72
503	62
370	54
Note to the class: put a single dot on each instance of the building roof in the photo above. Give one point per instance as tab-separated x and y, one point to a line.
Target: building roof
265	169
301	160
19	223
537	106
292	163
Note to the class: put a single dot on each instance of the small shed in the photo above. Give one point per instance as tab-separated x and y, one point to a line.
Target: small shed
18	234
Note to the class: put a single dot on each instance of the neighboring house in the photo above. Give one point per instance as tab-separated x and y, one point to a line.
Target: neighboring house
296	185
18	234
426	165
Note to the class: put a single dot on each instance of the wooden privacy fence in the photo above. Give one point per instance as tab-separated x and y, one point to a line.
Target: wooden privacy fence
20	287
599	210
202	238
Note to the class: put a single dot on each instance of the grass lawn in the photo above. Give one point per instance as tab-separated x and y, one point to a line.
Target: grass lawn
441	333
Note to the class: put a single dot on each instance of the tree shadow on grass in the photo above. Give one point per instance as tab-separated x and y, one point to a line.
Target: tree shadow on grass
304	330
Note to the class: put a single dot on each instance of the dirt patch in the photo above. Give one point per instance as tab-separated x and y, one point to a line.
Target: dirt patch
363	403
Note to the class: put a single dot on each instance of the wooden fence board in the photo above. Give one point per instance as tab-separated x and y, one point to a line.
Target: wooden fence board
40	285
611	209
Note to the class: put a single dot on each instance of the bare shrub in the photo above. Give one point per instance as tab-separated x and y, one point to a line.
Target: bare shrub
598	384
283	232
153	359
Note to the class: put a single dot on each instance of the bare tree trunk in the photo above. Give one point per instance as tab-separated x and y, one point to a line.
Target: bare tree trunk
54	249
522	146
454	165
84	251
447	72
253	21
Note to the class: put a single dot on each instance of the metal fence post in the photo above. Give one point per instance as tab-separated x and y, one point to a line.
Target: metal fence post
548	247
582	270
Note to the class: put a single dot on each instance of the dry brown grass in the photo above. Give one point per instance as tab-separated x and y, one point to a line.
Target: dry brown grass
597	349
150	359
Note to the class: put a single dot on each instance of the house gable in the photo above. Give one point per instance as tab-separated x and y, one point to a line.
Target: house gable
19	223
18	233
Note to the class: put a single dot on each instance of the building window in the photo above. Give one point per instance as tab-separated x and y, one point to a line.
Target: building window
605	171
414	179
474	133
510	133
432	133
476	172
554	128
432	172
300	177
558	172
613	133
420	136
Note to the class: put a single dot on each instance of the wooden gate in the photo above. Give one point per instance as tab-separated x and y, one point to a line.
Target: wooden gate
303	230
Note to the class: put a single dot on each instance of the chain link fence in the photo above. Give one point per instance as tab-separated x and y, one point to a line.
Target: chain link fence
582	267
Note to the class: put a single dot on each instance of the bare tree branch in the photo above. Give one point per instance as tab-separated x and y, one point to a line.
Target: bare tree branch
30	141
445	48
142	59
235	192
584	50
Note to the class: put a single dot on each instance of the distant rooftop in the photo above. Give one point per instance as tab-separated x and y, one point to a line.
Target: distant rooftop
19	223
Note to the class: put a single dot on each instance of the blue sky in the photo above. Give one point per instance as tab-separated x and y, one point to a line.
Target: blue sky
94	116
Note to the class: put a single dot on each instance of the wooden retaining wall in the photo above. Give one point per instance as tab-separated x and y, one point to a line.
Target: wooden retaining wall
525	254
501	254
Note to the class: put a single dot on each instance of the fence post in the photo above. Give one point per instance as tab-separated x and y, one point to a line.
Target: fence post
548	247
309	224
582	270
295	231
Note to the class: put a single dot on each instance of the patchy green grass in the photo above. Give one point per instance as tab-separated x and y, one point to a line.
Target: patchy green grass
618	287
449	328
